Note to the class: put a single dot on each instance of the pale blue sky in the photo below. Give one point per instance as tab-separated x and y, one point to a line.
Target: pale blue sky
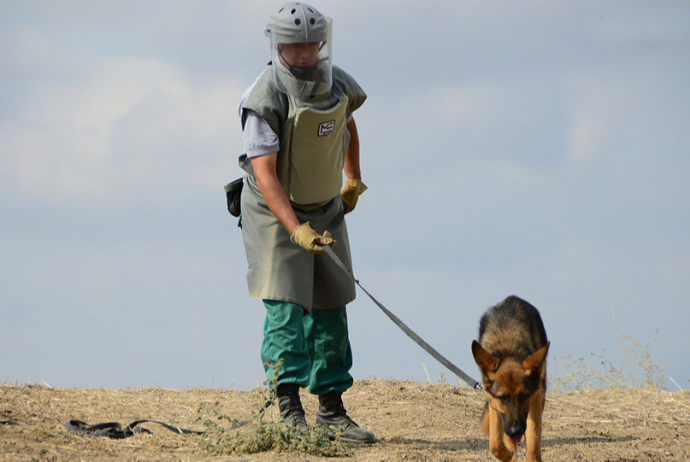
531	148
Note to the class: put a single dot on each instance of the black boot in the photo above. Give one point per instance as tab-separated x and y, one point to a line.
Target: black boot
332	414
290	406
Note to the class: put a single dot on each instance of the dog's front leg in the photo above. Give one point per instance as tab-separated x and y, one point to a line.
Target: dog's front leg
497	443
533	431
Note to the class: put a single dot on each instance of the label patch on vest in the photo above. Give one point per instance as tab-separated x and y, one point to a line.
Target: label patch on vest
326	128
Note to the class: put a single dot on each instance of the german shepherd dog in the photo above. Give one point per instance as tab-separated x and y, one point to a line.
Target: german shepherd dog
511	355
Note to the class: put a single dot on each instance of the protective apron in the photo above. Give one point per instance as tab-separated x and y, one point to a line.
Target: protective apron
313	147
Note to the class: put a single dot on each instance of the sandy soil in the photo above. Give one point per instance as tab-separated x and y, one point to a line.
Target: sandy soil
412	421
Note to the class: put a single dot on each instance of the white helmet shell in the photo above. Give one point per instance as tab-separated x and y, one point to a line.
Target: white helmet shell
293	24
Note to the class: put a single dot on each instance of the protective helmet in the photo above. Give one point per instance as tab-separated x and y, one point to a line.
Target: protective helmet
297	23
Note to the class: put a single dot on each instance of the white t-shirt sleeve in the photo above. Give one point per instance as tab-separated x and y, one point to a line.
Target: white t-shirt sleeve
258	137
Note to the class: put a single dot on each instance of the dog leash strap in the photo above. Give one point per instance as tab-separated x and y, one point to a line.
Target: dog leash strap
114	429
410	333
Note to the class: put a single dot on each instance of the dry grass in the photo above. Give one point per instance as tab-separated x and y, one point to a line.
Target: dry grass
413	421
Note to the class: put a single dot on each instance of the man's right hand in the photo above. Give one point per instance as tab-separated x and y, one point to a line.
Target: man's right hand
306	237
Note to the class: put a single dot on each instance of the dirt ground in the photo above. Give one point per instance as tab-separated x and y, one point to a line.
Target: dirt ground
412	421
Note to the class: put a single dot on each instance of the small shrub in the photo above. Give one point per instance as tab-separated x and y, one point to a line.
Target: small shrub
225	435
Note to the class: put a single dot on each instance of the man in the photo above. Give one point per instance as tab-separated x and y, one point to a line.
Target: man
299	137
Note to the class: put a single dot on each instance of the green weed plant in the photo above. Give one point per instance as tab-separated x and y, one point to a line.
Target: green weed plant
225	435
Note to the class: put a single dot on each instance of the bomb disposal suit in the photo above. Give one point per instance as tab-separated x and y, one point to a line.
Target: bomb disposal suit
309	116
302	110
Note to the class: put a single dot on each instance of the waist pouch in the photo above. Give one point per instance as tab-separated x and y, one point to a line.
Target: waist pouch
233	192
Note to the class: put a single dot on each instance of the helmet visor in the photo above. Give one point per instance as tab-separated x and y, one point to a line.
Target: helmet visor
303	68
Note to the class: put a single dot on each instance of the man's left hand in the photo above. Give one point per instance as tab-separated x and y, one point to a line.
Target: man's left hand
351	192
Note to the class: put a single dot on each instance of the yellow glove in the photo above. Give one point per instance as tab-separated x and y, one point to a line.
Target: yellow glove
351	192
306	237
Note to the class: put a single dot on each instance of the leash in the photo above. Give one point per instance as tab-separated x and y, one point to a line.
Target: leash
410	333
115	431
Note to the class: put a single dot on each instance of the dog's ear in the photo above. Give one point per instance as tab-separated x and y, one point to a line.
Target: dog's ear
483	358
536	358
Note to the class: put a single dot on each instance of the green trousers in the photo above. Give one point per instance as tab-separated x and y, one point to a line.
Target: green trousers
314	347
